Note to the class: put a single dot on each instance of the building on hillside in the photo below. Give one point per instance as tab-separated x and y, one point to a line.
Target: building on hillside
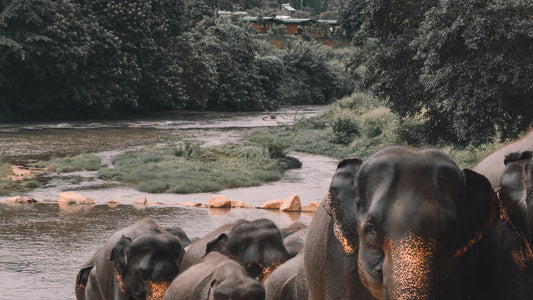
291	25
264	24
260	24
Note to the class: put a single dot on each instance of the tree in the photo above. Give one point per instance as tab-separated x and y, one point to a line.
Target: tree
195	11
230	48
146	29
46	62
477	58
392	72
463	63
309	79
351	16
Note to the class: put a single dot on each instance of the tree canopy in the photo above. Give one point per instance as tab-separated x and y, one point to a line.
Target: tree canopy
466	65
71	58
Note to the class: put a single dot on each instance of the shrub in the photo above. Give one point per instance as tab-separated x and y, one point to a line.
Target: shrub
5	170
379	121
80	162
345	126
32	183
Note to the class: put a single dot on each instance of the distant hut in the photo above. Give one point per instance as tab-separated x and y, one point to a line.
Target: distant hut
291	25
260	24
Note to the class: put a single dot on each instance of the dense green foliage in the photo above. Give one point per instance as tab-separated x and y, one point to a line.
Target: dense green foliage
80	162
190	168
465	65
72	58
358	126
351	17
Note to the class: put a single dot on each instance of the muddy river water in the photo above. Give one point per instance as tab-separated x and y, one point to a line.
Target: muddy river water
43	245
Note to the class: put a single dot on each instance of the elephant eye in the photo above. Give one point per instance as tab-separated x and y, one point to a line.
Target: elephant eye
369	228
372	233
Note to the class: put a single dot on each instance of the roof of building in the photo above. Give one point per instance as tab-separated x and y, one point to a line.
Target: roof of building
288	7
278	20
293	21
330	22
254	19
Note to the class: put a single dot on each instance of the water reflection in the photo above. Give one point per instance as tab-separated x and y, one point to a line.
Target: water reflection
44	245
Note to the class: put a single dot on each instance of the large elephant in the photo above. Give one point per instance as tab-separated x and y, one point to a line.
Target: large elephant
256	245
509	250
493	165
405	224
136	262
215	277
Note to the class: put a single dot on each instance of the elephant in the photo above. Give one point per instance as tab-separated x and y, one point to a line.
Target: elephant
492	166
405	224
215	277
256	245
197	249
136	262
509	258
288	281
294	237
293	228
180	234
294	243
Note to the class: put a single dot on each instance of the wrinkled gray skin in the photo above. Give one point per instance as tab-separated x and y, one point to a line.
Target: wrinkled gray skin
288	281
180	234
493	165
293	228
197	249
256	245
294	237
294	243
136	262
509	250
215	277
405	224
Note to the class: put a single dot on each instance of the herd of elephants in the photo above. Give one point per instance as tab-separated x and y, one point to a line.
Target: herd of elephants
404	224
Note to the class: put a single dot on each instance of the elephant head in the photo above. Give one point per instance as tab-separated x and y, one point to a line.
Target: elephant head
410	216
516	194
257	246
146	265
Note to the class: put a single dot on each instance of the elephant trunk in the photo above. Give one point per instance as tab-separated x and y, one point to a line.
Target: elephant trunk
411	268
156	290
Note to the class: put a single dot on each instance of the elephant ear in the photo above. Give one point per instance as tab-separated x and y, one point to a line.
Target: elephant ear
479	211
340	204
216	244
119	256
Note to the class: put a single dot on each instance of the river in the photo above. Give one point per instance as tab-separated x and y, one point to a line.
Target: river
43	245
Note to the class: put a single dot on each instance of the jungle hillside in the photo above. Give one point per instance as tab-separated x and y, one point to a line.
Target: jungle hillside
458	71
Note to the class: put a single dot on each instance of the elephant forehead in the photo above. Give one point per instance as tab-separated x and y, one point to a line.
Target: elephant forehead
411	182
250	231
155	243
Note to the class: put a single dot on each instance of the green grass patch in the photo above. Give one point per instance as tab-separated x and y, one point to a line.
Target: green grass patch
359	126
189	168
5	170
6	184
80	162
32	183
